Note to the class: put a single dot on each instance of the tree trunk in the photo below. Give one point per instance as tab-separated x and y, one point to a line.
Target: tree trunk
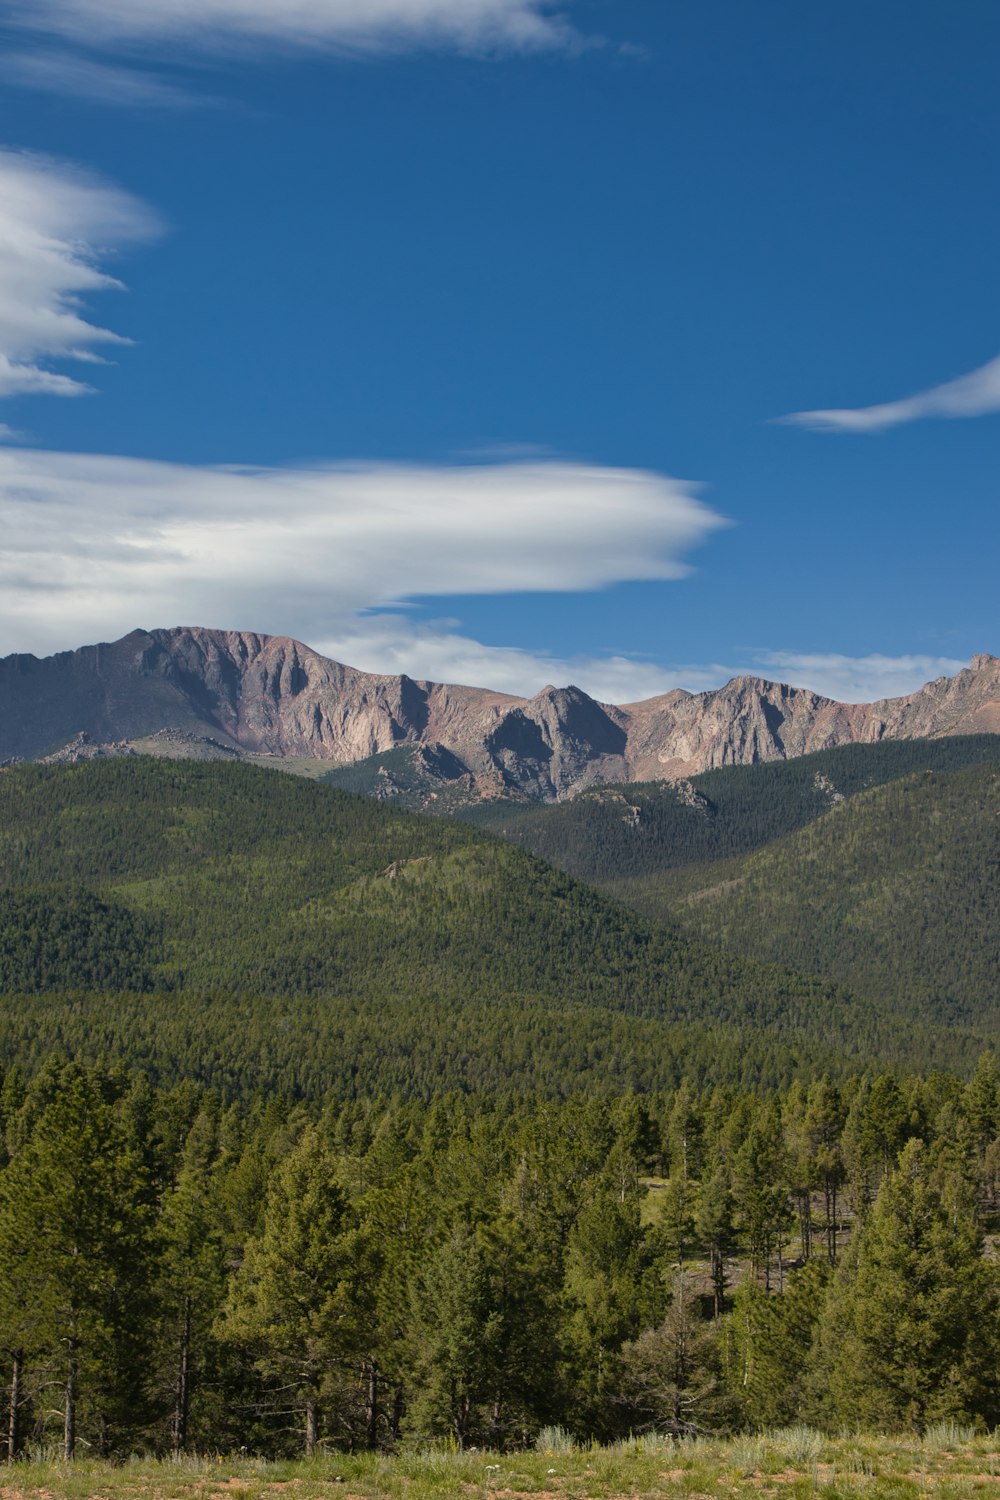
182	1401
311	1426
397	1412
833	1225
372	1412
13	1434
69	1409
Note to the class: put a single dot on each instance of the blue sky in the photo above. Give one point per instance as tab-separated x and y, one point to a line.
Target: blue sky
506	341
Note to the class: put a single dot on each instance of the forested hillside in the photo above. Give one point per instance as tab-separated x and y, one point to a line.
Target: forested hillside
178	1276
895	893
629	832
230	924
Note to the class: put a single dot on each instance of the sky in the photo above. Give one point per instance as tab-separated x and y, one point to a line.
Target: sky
633	343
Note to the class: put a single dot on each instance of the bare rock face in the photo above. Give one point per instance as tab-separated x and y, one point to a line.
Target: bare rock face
242	692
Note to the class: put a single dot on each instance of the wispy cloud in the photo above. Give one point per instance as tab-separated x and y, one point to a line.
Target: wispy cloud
56	224
972	395
349	25
856	679
439	651
92	545
78	77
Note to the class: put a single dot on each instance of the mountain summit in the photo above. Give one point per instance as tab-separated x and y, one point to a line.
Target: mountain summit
241	692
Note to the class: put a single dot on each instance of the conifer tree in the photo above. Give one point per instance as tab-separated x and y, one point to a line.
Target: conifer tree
76	1250
450	1335
910	1333
192	1273
715	1229
760	1189
298	1299
770	1343
823	1128
670	1375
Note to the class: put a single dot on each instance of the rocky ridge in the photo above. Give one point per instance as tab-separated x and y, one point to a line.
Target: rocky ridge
191	690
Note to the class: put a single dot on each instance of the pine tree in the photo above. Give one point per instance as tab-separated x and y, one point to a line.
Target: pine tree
298	1299
450	1332
192	1273
770	1343
76	1249
716	1230
760	1189
910	1332
670	1376
605	1265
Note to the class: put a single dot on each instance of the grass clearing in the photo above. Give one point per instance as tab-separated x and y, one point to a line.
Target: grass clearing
795	1463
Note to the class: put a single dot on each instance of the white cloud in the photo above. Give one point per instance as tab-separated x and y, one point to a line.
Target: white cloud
91	546
55	222
348	25
972	395
856	679
68	75
437	650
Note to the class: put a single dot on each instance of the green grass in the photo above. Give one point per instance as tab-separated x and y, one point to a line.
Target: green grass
793	1462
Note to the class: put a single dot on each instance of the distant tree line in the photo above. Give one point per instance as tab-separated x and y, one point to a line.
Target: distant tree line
179	1273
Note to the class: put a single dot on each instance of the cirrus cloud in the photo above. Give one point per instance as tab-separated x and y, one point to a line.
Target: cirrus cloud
345	25
972	395
55	224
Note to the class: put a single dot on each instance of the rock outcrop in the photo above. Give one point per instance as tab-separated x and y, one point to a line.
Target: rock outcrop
268	695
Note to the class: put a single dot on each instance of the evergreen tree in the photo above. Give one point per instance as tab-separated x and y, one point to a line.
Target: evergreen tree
770	1342
670	1374
716	1229
76	1250
910	1334
451	1331
298	1299
760	1189
192	1274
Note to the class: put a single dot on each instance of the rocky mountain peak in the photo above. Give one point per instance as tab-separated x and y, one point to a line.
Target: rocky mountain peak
243	692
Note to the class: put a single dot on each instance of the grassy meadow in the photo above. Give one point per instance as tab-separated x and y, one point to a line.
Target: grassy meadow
949	1462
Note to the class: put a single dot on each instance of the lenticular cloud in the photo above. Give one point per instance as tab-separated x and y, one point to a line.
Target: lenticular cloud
92	544
56	224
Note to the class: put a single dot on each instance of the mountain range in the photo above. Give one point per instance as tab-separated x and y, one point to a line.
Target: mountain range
202	693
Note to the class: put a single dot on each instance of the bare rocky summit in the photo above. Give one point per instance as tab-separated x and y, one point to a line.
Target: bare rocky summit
224	693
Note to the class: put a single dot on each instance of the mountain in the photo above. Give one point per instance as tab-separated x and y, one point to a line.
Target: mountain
608	835
259	931
205	692
894	892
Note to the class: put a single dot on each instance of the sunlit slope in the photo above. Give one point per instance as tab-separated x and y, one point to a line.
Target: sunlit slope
895	893
632	831
225	922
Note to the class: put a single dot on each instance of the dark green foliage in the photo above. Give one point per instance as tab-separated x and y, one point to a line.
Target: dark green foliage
911	1332
367	1272
475	1272
634	831
68	938
895	893
307	940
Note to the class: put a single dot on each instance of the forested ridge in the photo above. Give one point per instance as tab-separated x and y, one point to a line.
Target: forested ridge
181	1275
322	1124
634	831
894	893
253	931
